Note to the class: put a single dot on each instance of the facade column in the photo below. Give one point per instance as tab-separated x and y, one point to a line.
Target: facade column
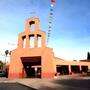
69	68
43	40
27	42
80	67
35	41
35	72
20	42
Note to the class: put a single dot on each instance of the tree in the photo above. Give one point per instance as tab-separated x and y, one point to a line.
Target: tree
88	55
1	64
10	52
6	53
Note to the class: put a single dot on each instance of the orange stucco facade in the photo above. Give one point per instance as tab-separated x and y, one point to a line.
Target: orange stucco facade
37	59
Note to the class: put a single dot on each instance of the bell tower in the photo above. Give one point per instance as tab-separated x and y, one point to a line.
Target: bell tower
29	58
25	37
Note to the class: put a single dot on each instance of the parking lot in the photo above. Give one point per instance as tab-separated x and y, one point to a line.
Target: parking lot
14	86
61	83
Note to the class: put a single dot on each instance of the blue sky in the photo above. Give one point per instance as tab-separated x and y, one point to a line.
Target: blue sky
70	37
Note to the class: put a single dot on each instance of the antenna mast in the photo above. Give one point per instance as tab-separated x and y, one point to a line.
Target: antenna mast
50	19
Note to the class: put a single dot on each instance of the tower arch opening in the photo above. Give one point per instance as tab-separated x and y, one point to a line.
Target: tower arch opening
31	39
39	40
24	41
32	25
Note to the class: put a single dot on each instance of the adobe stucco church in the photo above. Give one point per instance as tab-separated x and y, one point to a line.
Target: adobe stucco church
39	61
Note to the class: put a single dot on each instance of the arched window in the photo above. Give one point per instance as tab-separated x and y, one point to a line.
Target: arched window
32	26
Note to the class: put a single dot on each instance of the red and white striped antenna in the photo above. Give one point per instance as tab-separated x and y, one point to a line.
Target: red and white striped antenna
51	14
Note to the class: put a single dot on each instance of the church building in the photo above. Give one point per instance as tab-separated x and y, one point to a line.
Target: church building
33	59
